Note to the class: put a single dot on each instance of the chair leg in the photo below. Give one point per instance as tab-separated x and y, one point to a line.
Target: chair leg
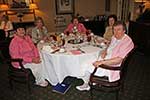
29	88
122	88
10	84
2	57
28	84
117	95
121	91
91	91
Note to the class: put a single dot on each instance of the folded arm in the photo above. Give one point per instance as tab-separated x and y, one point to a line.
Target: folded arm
112	61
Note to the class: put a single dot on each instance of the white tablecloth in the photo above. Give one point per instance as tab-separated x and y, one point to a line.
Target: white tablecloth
60	65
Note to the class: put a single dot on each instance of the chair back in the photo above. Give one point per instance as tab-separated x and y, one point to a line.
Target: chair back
124	65
21	75
4	47
103	84
2	35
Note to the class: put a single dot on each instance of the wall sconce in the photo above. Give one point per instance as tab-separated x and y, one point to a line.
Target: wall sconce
33	6
4	7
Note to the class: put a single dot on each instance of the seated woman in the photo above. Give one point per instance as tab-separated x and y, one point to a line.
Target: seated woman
39	32
74	27
121	44
108	31
6	25
22	47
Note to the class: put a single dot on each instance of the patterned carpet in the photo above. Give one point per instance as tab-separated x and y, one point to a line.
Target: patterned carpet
137	86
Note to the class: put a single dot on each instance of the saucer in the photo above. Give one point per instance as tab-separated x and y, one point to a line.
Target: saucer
62	51
75	41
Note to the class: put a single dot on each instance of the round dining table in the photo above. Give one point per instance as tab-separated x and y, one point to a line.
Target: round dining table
58	64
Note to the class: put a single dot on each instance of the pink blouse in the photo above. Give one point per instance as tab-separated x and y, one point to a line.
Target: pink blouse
23	48
121	50
80	27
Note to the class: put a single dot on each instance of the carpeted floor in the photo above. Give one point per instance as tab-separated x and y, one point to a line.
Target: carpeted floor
137	86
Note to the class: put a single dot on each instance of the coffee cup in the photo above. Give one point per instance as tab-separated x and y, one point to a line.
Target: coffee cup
62	50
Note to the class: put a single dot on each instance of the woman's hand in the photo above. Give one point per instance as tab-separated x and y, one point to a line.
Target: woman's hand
103	54
36	60
97	63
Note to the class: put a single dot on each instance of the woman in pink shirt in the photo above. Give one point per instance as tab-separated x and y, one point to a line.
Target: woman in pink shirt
22	47
120	46
75	26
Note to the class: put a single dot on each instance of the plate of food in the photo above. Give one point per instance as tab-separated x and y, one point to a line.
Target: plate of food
75	41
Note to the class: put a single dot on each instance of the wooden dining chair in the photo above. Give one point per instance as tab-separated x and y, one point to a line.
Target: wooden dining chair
19	75
103	84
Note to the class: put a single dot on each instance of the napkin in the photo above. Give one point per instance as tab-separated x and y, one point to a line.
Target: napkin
75	52
47	48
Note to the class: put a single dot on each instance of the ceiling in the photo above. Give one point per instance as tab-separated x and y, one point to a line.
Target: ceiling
141	0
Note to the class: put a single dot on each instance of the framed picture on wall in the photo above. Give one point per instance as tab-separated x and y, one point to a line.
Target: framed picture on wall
64	6
18	3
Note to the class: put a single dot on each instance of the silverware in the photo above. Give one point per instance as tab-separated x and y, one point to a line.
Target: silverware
55	51
81	50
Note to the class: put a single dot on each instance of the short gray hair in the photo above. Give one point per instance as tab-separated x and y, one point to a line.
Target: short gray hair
120	23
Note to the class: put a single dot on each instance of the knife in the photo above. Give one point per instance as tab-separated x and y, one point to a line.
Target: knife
55	51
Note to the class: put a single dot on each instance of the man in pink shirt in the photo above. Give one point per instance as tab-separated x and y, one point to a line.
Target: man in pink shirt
120	46
75	26
22	47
